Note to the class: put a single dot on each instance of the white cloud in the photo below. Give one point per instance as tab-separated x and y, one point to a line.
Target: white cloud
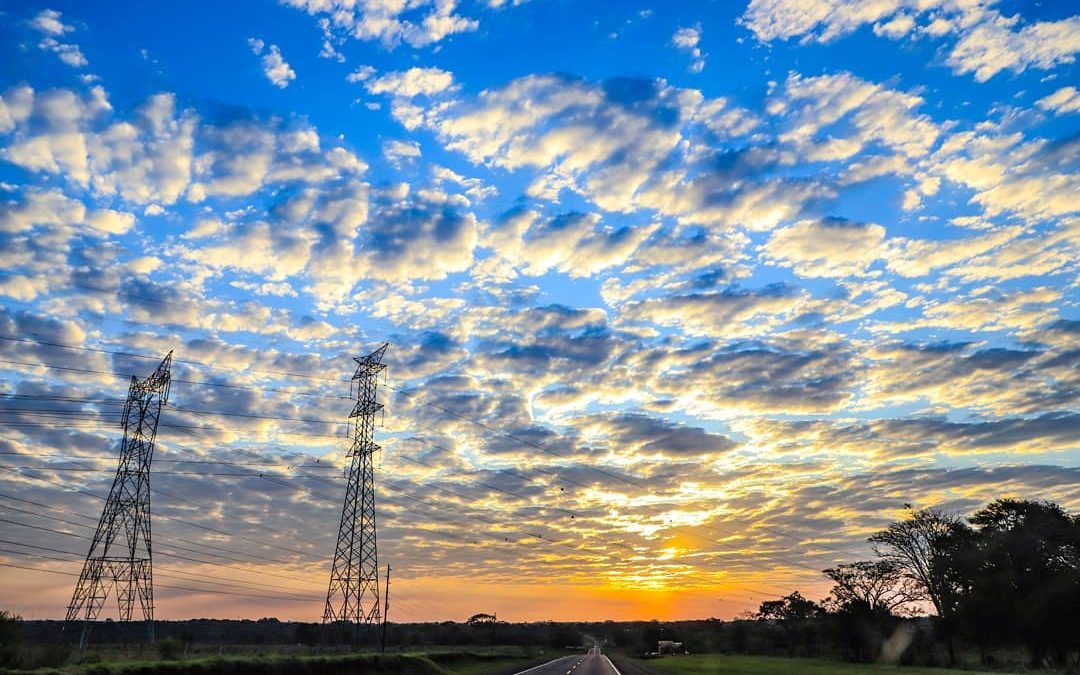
687	40
576	244
987	41
412	82
391	22
827	248
145	264
110	221
49	22
159	154
823	20
994	45
68	53
1062	101
361	74
1008	173
274	66
397	152
809	105
581	136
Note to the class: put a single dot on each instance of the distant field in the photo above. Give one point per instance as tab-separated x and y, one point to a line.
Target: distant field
417	663
719	664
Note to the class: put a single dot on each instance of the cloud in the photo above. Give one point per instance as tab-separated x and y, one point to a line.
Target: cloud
1062	101
918	257
49	23
880	115
821	20
361	74
735	313
826	248
993	46
389	22
687	40
1008	173
409	83
921	436
572	243
427	238
626	144
274	65
57	144
723	381
987	42
397	152
641	435
995	381
68	53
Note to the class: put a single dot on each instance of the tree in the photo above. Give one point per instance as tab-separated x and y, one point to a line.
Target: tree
912	545
878	585
9	639
793	607
863	602
1020	578
796	615
917	547
481	619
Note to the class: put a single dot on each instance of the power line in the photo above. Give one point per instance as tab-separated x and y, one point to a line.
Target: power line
490	428
227	581
171	587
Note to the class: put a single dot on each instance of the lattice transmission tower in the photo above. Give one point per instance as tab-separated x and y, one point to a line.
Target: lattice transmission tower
353	596
119	559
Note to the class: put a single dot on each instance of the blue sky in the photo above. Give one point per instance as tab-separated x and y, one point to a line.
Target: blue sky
729	282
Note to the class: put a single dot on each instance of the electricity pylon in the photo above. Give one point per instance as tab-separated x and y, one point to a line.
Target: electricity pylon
353	596
119	558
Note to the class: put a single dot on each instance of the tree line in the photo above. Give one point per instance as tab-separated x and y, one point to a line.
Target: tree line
1006	577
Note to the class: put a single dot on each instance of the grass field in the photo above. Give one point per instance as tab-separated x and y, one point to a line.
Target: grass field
416	663
719	664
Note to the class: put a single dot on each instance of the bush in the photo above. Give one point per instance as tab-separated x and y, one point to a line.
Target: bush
170	648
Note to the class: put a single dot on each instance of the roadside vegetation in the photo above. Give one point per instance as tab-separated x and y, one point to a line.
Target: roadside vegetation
720	664
1002	588
435	663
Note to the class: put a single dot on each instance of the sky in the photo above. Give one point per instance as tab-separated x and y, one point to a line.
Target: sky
684	300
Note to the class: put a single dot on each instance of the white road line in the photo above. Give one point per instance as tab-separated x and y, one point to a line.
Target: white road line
546	663
611	664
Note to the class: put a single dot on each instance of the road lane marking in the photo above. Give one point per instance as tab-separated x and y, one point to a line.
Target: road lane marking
611	664
546	663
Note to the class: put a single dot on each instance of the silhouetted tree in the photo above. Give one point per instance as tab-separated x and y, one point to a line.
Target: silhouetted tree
879	585
9	632
795	615
481	619
915	546
793	607
1018	578
865	599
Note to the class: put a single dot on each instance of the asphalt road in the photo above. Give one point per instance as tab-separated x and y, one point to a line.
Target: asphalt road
592	663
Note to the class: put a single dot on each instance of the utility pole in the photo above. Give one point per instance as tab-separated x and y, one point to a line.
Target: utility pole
353	595
386	607
120	552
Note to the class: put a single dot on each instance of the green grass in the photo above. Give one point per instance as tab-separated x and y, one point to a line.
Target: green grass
719	664
486	664
418	663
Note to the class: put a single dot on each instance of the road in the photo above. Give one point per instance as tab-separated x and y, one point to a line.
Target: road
592	663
